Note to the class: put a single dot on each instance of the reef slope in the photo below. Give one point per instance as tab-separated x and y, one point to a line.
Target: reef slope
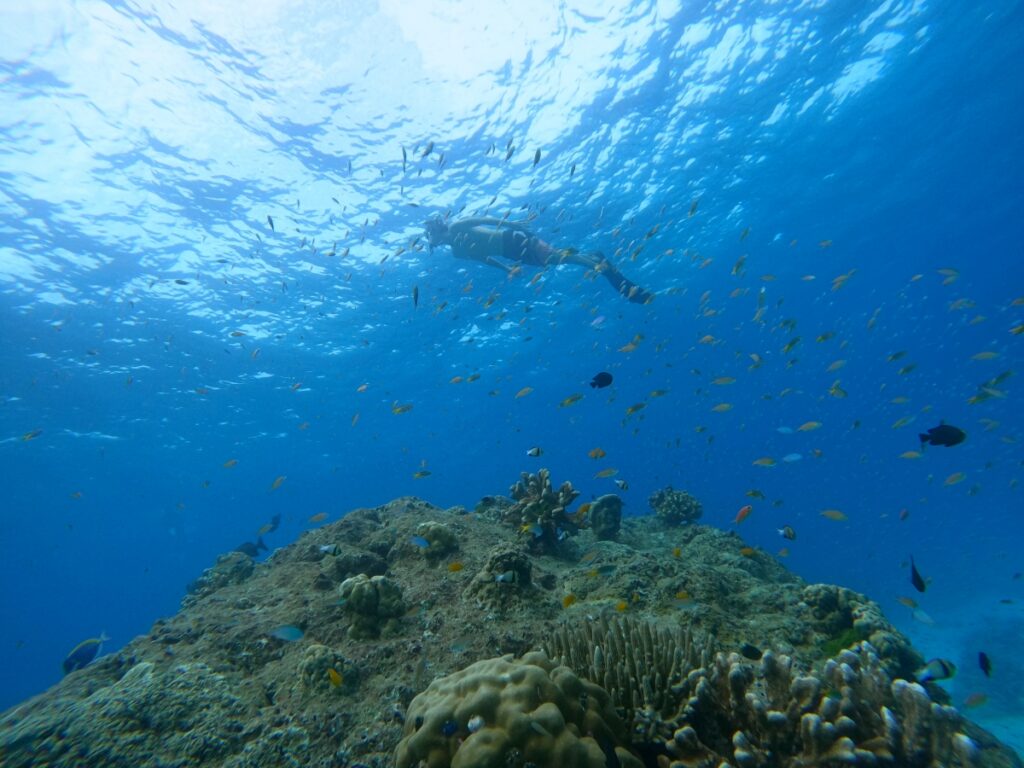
394	597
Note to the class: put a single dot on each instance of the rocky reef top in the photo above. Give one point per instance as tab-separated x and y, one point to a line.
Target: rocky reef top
355	646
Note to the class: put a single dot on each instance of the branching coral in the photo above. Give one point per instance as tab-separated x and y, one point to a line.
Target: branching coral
541	511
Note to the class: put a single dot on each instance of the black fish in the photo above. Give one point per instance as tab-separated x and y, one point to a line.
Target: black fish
252	549
915	577
944	434
751	652
415	296
985	663
601	380
270	221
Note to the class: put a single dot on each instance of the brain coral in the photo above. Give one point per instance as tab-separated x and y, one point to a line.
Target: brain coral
503	713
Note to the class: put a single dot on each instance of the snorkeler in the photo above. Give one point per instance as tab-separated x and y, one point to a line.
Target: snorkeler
485	239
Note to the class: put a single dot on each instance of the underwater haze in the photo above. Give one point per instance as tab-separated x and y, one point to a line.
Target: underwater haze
219	306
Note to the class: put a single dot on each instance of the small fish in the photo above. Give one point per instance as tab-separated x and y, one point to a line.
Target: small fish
252	549
915	577
419	541
333	675
909	602
601	380
904	514
987	355
791	458
722	407
84	653
956	477
319	517
568	600
723	381
748	551
507	577
936	669
910	455
523	392
287	632
677	551
573	398
536	158
420	474
398	409
428	150
834	514
455	567
31	435
975	700
623	485
415	296
985	663
229	463
809	426
330	549
535	451
596	453
534	529
787	533
277	482
764	461
605	473
270	221
754	493
945	434
635	407
621	606
743	514
836	391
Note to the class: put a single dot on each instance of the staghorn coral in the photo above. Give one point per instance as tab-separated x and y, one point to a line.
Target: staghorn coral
373	603
505	713
538	503
638	663
674	507
731	712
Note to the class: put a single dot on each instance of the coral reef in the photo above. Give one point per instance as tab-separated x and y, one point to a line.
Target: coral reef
606	516
440	537
510	713
216	685
374	604
674	507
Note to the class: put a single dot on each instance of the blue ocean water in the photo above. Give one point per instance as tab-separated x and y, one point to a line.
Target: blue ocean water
825	196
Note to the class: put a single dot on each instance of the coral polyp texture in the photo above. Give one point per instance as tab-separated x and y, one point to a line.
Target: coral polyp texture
433	637
674	507
506	712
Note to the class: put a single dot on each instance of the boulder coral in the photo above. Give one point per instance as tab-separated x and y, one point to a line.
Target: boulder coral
509	713
674	507
374	604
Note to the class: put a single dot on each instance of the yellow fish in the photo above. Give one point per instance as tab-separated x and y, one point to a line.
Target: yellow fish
421	474
910	455
403	408
987	355
568	600
318	517
677	551
604	473
956	477
524	392
709	339
229	463
834	514
334	676
634	408
835	366
722	407
573	398
658	393
455	380
596	453
766	461
277	482
454	567
748	551
902	422
836	391
809	426
723	380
